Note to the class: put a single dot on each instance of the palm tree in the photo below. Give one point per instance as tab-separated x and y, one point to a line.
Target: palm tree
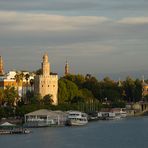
19	80
11	96
27	76
31	83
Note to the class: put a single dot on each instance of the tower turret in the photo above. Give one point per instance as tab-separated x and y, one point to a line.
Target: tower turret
45	65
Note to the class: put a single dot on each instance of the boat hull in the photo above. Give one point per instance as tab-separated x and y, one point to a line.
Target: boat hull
76	123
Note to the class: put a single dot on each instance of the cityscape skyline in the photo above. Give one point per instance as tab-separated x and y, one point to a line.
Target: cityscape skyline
107	36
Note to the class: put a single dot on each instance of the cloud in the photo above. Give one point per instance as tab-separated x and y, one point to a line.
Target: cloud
134	20
17	21
88	49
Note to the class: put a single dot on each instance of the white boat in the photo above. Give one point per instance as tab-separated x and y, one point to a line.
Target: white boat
26	131
120	112
123	113
114	113
76	118
106	115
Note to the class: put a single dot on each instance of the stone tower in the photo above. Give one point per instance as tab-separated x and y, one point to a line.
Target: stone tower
66	68
1	66
45	65
47	83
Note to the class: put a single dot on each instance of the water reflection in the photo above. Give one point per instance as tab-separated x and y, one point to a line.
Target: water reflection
127	133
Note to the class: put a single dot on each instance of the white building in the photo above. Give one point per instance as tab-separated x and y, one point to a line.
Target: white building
9	80
45	117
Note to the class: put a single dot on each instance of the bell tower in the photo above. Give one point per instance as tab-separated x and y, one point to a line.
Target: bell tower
66	68
1	66
45	65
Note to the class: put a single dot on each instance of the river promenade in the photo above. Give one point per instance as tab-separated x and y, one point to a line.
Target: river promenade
125	133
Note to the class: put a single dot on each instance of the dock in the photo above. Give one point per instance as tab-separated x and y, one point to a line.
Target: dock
14	131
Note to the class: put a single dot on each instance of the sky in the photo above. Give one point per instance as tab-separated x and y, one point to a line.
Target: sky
95	36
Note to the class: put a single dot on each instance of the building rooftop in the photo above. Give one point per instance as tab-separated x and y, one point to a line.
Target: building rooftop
45	112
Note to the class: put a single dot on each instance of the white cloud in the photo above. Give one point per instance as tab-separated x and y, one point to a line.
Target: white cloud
134	20
17	21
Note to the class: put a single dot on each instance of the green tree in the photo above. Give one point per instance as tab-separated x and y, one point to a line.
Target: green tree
83	96
138	90
11	96
27	76
19	80
38	98
91	83
1	96
77	79
72	90
30	97
62	91
31	83
129	87
47	100
146	98
67	88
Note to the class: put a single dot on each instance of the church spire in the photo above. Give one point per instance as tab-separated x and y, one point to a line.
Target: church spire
1	66
45	65
143	81
66	68
119	83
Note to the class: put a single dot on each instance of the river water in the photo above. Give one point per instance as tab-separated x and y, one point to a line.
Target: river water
125	133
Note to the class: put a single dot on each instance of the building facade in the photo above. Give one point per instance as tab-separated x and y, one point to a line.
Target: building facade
144	88
46	83
9	80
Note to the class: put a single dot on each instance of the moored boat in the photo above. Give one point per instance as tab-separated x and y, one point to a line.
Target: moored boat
76	118
106	115
119	112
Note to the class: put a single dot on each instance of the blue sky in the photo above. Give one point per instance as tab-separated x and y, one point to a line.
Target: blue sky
97	36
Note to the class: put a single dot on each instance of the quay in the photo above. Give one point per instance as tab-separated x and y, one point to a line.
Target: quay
14	131
8	128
